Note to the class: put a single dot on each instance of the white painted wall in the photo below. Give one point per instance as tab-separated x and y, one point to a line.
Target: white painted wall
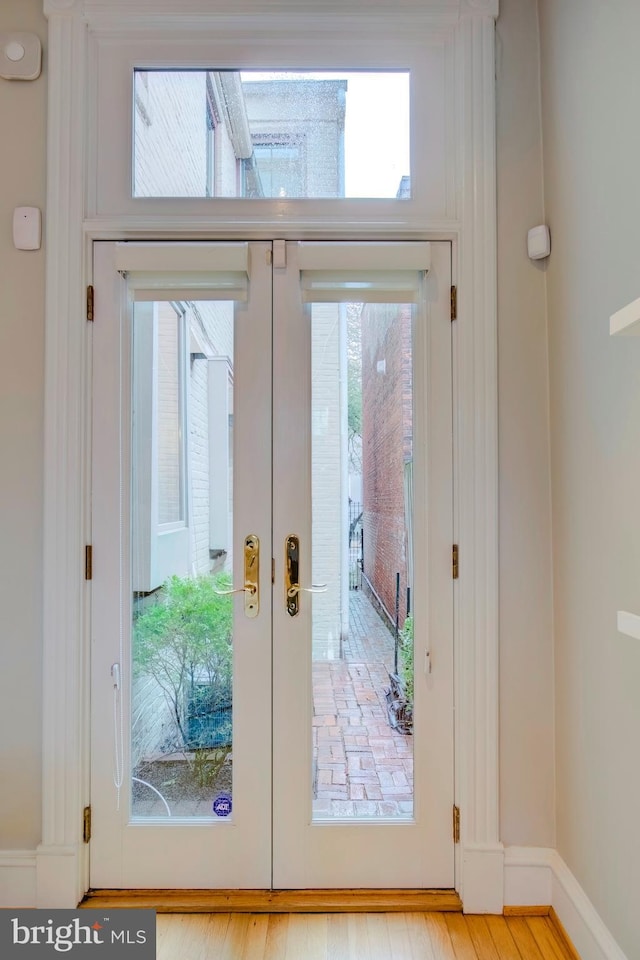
526	642
589	68
22	181
591	125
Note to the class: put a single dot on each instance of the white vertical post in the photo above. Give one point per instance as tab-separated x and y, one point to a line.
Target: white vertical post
219	478
62	864
482	856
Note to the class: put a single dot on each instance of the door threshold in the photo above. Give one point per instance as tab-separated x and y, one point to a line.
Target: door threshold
278	901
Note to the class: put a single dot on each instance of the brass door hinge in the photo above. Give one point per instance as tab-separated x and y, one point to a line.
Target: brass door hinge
90	303
456	824
454	303
454	561
88	562
86	824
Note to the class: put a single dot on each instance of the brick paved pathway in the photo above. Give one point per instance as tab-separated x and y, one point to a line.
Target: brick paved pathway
363	768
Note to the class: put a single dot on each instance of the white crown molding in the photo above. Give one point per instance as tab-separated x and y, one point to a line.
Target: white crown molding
53	7
480	8
282	12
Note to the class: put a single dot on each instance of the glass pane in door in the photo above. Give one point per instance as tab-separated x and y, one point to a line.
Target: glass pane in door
362	532
181	558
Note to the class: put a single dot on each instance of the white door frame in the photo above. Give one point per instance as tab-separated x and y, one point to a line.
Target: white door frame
62	857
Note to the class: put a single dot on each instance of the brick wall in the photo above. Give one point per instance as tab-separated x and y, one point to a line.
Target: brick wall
387	438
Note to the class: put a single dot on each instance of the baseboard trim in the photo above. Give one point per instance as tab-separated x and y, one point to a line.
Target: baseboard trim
277	901
580	919
562	933
530	911
539	877
17	878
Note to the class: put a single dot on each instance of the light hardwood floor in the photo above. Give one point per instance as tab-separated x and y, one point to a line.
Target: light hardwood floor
358	936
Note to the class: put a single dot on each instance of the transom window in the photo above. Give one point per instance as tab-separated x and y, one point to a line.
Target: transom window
280	135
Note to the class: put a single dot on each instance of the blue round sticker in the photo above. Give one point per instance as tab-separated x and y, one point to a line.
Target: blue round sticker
222	805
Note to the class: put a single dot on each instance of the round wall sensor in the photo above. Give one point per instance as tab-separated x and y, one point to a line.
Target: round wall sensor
20	56
14	51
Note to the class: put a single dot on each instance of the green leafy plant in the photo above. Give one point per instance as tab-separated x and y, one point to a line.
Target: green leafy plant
405	656
184	642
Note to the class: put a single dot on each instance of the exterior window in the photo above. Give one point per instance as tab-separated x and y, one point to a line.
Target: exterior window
302	135
171	440
280	164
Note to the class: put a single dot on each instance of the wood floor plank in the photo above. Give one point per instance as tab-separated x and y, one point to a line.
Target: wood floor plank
307	937
545	936
421	942
337	936
562	935
276	944
398	931
379	941
524	939
502	939
460	937
197	935
235	938
215	933
481	938
256	942
358	936
439	936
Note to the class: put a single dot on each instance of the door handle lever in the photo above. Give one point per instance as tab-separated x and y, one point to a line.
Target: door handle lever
292	586
251	588
314	588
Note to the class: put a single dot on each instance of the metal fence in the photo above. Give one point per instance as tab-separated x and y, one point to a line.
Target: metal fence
356	545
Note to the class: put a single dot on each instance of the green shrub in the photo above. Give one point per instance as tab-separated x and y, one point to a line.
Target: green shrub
405	658
184	642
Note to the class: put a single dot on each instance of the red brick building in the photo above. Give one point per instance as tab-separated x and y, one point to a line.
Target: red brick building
387	429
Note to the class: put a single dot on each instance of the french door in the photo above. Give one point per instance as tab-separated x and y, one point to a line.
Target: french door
272	602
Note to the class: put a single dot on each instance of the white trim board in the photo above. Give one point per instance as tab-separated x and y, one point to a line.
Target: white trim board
629	624
17	878
533	876
626	322
538	876
467	30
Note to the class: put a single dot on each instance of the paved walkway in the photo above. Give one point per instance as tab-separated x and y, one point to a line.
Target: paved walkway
363	768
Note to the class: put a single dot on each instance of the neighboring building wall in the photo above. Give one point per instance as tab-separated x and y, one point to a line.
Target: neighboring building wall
386	447
311	114
591	79
170	134
328	450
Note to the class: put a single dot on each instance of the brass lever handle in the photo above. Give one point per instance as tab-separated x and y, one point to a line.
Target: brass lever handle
251	587
314	588
292	587
246	589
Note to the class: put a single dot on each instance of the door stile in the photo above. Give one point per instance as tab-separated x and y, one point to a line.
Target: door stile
201	851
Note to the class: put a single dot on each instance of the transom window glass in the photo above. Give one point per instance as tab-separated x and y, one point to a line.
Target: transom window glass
302	135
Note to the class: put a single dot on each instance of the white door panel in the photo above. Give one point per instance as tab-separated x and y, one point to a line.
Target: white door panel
286	473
